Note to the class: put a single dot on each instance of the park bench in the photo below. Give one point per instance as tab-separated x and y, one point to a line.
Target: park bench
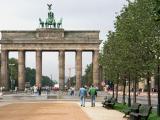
143	113
134	108
106	99
110	103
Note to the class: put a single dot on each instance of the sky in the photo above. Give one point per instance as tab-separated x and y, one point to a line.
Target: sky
76	14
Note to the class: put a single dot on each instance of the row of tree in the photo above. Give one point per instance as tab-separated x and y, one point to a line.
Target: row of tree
30	74
132	51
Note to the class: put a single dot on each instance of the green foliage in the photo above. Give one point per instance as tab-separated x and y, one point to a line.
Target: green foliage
120	107
133	46
73	81
157	10
46	81
30	76
13	70
153	116
87	79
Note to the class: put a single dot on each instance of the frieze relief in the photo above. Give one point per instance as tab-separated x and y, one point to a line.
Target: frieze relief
50	47
50	35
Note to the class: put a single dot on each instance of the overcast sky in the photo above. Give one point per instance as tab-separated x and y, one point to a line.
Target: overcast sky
77	15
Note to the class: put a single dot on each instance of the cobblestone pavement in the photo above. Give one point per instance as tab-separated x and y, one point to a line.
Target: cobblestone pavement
57	110
97	113
42	111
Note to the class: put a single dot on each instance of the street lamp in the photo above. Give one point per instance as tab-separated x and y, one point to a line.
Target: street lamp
11	79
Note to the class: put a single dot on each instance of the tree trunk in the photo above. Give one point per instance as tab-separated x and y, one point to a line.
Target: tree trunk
148	88
124	89
135	89
117	90
129	90
158	87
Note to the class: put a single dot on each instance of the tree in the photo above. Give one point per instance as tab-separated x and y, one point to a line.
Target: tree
30	75
73	81
132	47
13	71
46	81
87	79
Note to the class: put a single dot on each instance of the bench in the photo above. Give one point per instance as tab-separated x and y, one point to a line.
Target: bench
134	108
143	113
106	99
110	103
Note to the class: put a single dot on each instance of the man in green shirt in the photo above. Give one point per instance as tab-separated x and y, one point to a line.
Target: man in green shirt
93	94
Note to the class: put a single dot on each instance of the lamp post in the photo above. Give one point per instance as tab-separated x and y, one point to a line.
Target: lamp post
11	79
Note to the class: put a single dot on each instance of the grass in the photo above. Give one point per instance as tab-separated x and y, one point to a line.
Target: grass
153	116
120	107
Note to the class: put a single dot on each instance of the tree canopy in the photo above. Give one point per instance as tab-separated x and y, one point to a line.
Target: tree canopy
30	74
134	46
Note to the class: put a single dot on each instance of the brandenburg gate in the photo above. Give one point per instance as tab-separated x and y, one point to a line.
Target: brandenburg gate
48	38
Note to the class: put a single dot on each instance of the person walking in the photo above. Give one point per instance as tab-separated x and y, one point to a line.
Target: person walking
39	90
35	89
93	94
82	94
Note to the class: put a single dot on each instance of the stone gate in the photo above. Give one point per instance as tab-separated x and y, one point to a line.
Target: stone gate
48	39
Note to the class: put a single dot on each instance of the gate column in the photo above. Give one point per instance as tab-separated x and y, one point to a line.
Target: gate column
4	69
95	57
78	68
38	67
21	70
61	69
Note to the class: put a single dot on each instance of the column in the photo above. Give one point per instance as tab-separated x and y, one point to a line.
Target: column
95	56
4	69
21	70
78	68
38	67
61	69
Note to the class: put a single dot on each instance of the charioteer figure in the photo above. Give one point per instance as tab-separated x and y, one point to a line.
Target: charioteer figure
50	21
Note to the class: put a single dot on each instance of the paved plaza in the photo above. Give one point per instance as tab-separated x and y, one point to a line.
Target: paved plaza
55	110
59	106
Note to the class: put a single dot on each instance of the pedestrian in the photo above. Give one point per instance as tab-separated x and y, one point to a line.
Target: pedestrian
82	95
72	91
93	94
35	89
39	89
16	88
47	90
